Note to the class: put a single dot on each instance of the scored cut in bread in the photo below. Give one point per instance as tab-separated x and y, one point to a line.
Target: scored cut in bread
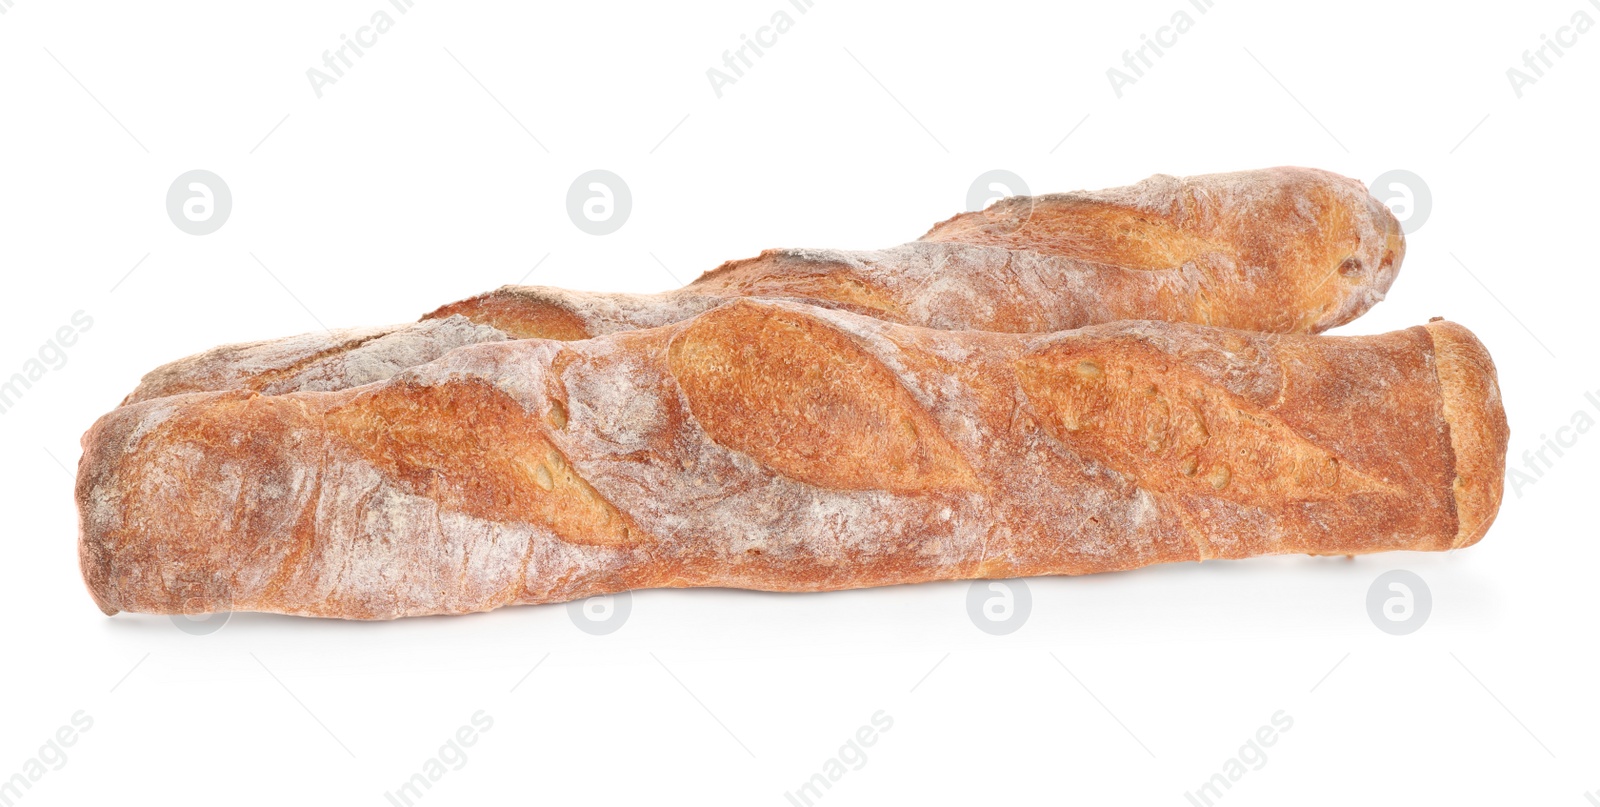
778	446
1279	250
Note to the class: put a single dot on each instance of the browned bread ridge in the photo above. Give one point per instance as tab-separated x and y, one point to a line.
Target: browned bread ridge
1281	250
783	447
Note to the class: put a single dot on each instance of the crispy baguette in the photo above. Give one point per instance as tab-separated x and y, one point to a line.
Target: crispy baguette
1282	250
776	446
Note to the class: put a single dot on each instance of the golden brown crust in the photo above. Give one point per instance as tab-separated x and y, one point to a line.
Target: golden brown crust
1284	250
472	449
783	447
1081	227
1280	250
803	277
1168	428
1470	394
517	313
329	360
821	410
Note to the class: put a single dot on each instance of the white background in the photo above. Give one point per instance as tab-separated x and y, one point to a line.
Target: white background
409	184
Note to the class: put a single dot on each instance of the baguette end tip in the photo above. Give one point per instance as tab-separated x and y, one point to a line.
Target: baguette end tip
1470	395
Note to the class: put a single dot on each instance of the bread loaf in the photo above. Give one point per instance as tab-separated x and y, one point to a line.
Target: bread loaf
783	447
1285	250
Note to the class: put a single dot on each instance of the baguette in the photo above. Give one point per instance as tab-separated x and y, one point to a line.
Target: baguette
1283	250
776	446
